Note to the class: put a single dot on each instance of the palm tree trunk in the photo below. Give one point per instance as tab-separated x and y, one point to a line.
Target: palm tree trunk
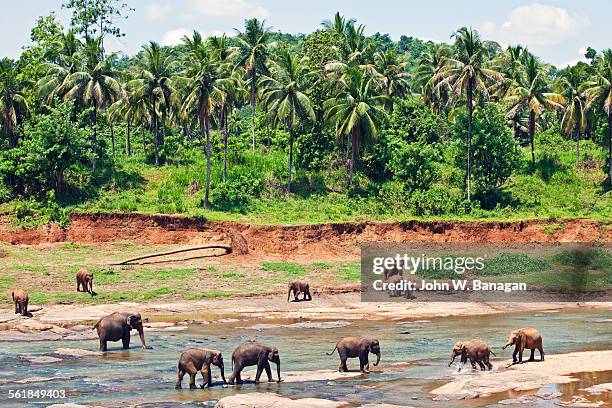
94	141
208	153
610	148
155	135
354	137
128	144
469	139
112	130
144	139
253	78
225	140
532	135
290	158
577	145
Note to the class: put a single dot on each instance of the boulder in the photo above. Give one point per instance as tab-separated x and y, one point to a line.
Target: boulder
270	400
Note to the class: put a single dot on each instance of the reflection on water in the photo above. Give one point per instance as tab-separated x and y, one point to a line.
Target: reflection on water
149	376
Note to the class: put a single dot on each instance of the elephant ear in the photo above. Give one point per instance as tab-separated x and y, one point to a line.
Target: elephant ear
130	319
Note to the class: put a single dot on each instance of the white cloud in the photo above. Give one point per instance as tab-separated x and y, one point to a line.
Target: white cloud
157	11
576	60
230	8
536	25
174	37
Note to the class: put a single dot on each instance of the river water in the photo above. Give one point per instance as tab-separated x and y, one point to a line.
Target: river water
146	378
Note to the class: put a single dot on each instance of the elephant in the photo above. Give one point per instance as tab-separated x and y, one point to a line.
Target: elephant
526	337
396	279
297	287
85	280
476	351
21	299
193	360
357	346
117	326
252	353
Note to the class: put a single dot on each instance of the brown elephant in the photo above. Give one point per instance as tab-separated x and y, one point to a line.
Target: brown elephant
357	346
250	354
525	338
21	299
476	351
297	287
117	326
85	280
193	360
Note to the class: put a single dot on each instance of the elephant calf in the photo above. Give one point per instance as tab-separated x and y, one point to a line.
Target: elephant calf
194	360
117	326
526	337
250	354
297	287
85	280
476	351
351	347
21	299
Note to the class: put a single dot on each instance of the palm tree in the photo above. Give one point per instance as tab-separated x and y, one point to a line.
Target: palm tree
355	110
574	118
13	104
284	95
65	64
599	94
468	71
529	91
339	24
199	79
154	81
93	84
391	76
425	76
253	49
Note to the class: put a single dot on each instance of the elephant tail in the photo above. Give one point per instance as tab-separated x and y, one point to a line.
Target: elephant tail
232	362
332	352
96	325
13	296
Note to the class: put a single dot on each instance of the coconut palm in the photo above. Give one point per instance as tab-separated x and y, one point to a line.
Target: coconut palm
355	110
339	24
599	96
425	76
199	80
253	51
13	104
574	118
94	84
66	63
391	76
529	91
284	93
468	72
154	81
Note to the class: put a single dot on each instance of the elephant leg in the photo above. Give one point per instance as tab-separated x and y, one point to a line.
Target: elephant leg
520	356
482	366
103	345
179	379
363	363
268	372
541	350
238	378
78	286
206	376
17	309
514	360
531	357
343	367
126	340
260	368
489	365
473	363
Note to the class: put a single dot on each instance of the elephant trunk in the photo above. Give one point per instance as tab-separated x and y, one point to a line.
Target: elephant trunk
452	359
278	371
377	359
221	367
141	334
509	344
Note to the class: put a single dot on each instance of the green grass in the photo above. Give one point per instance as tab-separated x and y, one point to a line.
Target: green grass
161	274
513	264
6	281
289	269
209	295
350	271
320	265
231	275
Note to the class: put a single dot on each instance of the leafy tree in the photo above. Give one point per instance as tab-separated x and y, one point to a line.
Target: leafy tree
355	111
13	105
468	71
93	84
253	48
530	91
574	118
283	94
414	163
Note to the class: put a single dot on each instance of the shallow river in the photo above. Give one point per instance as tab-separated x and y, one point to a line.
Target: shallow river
147	377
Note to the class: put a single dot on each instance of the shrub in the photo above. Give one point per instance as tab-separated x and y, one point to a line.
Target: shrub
237	191
414	164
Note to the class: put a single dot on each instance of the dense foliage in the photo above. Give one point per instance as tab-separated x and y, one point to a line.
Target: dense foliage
333	125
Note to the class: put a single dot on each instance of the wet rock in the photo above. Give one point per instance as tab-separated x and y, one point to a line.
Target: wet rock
270	400
599	388
548	395
519	401
71	406
31	380
579	402
39	359
321	325
76	353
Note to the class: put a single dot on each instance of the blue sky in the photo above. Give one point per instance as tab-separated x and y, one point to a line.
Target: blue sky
557	31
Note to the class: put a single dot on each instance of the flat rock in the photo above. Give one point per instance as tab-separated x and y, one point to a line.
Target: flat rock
39	359
76	353
270	400
70	406
31	380
599	388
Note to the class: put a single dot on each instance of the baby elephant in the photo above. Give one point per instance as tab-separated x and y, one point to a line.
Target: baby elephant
117	326
297	287
351	347
526	337
193	360
250	354
476	351
20	298
85	280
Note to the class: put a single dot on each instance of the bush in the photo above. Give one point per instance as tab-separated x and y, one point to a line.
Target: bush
414	164
438	201
237	191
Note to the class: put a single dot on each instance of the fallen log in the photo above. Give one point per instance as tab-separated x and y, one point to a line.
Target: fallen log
228	250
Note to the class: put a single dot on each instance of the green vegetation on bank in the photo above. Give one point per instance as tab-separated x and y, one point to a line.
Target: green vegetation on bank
327	126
